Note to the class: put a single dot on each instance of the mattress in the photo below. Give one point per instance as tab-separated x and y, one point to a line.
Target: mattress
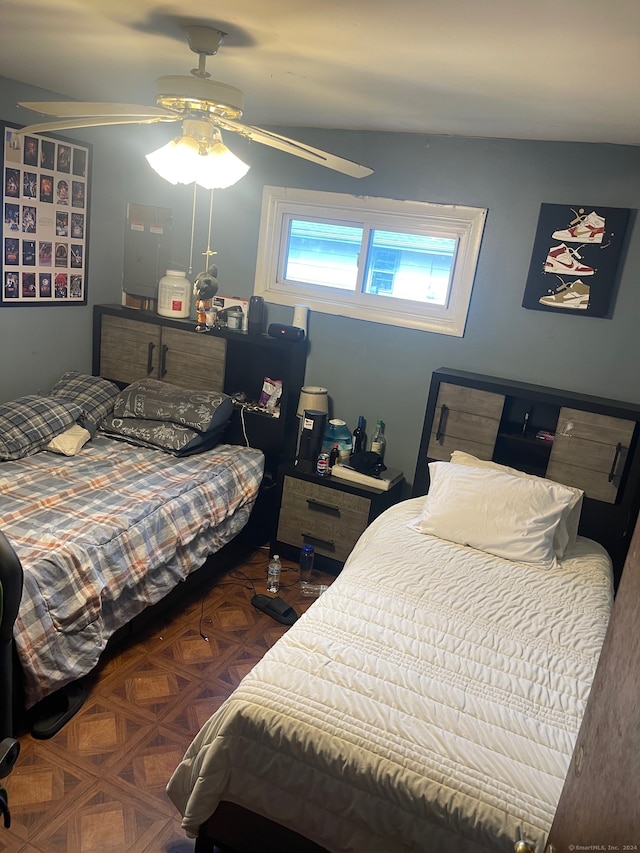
428	701
103	534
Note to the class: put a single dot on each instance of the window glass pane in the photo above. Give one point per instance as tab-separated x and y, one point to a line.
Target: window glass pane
409	266
323	253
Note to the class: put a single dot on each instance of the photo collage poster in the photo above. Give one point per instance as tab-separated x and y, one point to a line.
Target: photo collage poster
45	220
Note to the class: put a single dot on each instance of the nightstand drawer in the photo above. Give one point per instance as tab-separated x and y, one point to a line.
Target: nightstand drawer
330	520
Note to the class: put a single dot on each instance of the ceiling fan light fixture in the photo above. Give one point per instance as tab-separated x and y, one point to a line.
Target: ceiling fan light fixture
204	106
199	156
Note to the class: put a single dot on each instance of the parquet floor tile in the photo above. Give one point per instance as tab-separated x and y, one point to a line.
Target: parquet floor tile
100	735
199	703
105	819
40	788
98	786
147	769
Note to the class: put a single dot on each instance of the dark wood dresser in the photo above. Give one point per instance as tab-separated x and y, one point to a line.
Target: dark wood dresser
325	512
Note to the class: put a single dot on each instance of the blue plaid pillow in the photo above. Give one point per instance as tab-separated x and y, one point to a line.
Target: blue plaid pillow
94	394
28	423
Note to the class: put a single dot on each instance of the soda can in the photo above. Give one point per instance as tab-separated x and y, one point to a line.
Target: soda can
322	465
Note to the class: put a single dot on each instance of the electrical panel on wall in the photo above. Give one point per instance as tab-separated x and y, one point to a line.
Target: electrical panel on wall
147	253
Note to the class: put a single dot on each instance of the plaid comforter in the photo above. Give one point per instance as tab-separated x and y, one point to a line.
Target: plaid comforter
103	534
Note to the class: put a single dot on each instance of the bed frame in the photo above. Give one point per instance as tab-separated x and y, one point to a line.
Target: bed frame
234	829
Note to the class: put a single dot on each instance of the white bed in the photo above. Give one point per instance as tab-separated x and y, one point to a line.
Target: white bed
428	701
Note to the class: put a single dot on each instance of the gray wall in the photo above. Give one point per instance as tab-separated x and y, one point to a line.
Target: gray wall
369	368
38	344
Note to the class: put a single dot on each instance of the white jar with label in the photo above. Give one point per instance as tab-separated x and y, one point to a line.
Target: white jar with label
174	292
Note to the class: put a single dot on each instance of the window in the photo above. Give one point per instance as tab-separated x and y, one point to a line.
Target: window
405	263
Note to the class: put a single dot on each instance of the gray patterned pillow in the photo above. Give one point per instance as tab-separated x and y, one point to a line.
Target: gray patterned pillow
28	423
154	400
172	438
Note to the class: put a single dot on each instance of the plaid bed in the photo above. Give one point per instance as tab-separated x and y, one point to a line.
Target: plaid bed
103	534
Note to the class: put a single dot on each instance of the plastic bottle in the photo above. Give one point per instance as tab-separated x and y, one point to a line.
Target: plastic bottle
334	456
273	574
307	556
174	292
378	441
313	590
337	432
359	436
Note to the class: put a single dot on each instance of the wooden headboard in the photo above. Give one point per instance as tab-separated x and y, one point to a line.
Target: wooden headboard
130	344
583	441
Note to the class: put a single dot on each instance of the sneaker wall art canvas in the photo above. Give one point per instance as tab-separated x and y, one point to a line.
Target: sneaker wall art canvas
576	258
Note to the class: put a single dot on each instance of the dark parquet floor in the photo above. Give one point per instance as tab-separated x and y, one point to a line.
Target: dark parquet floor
98	786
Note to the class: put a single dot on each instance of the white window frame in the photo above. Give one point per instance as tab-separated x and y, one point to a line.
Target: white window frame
464	224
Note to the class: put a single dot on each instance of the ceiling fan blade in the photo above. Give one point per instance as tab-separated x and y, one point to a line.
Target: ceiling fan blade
64	109
299	149
98	121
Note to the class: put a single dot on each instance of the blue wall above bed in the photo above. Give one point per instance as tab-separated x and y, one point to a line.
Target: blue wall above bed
371	369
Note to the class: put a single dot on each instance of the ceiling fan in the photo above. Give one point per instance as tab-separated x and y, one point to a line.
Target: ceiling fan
204	106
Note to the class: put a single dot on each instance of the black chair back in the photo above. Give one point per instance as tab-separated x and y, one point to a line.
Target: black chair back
11	582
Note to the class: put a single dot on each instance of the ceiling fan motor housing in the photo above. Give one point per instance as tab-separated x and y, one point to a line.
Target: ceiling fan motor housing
180	93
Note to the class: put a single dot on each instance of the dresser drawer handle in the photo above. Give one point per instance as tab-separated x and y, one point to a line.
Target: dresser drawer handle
441	422
328	544
319	506
150	350
163	360
614	465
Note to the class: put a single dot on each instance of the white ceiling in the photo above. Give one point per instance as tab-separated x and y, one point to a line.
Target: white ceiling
548	69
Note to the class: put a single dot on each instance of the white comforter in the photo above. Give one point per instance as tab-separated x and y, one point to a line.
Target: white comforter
428	701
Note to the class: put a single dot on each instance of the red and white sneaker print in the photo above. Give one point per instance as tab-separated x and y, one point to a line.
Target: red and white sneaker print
585	228
564	260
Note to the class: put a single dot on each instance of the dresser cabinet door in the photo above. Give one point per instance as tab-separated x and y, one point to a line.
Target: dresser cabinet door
465	419
129	350
590	452
192	361
330	520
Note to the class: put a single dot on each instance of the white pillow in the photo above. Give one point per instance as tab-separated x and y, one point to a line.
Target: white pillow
493	511
69	442
567	529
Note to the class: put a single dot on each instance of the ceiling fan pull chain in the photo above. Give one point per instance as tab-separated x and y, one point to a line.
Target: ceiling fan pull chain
209	253
193	226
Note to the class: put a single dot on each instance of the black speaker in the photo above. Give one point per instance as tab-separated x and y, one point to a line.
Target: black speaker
288	333
255	316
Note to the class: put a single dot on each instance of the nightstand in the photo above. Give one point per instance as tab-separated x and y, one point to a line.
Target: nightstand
325	512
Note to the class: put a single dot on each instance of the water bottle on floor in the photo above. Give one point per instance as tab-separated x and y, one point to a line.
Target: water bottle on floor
313	590
273	574
307	556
